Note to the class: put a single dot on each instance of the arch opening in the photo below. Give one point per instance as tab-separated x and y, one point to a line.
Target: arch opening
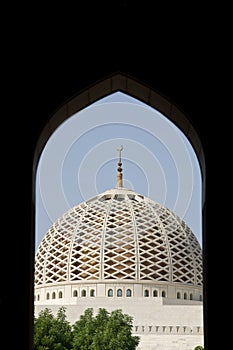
124	84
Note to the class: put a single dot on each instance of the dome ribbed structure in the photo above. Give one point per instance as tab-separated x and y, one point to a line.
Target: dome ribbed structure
119	235
122	250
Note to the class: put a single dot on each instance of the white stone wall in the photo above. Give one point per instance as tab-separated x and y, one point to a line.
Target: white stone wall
143	310
166	342
161	323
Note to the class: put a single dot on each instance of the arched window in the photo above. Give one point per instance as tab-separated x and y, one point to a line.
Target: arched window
166	107
178	295
38	297
155	293
60	295
128	293
110	293
92	293
163	294
84	293
53	295
200	297
75	293
119	292
191	296
185	295
47	296
146	293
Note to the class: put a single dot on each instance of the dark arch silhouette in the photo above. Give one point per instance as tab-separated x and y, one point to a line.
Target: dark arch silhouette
131	86
120	81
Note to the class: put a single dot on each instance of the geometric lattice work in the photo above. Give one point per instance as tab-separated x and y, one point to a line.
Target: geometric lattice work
119	235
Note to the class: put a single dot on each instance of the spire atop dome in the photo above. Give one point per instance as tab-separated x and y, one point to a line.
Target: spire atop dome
119	169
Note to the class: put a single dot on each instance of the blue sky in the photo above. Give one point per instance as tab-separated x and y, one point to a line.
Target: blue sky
80	161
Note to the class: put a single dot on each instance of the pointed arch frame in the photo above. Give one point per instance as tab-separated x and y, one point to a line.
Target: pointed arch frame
122	82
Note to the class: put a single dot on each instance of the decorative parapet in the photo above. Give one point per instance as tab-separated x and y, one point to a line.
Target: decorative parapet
153	329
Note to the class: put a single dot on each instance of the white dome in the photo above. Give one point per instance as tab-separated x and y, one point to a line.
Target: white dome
119	235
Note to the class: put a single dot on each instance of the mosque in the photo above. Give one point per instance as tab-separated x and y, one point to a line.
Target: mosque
122	250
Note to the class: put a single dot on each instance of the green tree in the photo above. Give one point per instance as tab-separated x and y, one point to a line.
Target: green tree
105	331
83	331
52	333
199	347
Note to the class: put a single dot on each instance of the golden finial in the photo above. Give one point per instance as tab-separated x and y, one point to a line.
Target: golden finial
119	169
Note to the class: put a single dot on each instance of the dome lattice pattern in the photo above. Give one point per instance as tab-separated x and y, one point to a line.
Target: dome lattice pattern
119	235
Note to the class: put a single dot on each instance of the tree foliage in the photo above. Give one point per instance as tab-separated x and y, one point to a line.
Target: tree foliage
105	331
199	347
52	333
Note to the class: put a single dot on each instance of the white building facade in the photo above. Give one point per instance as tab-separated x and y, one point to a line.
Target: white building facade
121	250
